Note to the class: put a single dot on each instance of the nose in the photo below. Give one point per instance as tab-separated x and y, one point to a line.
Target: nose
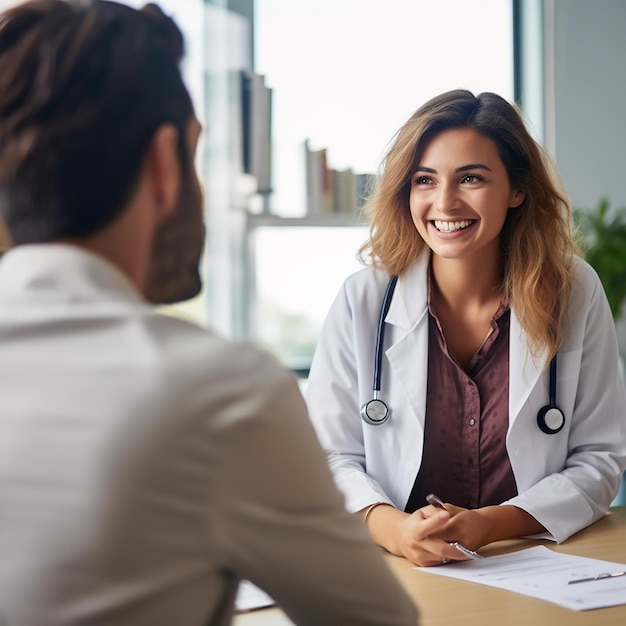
446	198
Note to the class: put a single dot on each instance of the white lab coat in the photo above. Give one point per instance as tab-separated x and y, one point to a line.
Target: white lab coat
566	481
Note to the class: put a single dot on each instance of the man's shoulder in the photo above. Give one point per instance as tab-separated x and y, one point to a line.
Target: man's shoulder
178	332
201	353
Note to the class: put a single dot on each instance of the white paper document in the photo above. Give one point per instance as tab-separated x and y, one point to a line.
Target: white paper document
542	573
250	597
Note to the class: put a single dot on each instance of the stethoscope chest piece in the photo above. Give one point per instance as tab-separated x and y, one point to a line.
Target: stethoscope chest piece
375	412
550	420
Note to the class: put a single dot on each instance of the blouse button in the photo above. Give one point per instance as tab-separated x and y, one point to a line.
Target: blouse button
472	421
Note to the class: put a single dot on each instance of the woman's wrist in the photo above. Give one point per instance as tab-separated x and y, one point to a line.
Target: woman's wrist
366	512
507	521
382	521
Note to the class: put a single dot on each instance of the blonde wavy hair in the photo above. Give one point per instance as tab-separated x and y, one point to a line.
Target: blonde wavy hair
536	243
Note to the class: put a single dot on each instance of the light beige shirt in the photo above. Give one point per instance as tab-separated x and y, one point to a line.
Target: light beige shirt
146	466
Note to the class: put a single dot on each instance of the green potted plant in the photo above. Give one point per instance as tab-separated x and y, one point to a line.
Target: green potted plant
602	236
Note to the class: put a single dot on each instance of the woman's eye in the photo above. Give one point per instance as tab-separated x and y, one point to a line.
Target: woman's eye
422	180
472	178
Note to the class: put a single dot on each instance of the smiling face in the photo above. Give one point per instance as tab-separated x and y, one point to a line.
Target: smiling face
460	195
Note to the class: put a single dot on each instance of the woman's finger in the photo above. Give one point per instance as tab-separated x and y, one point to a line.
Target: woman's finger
426	525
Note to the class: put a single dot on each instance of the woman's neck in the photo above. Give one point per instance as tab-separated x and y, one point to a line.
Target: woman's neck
461	282
465	296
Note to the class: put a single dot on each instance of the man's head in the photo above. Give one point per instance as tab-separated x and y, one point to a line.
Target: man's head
84	87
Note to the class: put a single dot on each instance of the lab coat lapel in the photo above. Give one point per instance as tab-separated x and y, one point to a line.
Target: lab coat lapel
524	369
408	321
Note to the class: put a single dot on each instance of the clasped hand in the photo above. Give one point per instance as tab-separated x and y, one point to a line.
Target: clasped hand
425	536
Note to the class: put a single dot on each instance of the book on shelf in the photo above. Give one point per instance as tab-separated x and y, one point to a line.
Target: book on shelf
345	191
319	183
330	190
256	115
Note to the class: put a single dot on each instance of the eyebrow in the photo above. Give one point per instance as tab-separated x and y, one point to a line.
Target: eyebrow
458	170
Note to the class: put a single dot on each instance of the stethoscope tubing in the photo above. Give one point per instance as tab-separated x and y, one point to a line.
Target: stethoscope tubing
551	409
552	385
380	334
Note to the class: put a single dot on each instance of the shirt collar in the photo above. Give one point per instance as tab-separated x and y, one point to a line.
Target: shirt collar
65	272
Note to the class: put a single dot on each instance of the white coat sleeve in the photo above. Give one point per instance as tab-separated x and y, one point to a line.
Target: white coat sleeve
581	493
283	521
334	392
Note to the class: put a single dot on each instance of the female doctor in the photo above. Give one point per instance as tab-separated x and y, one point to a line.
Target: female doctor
488	374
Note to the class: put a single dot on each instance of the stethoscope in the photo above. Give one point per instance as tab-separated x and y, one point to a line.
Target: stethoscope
375	412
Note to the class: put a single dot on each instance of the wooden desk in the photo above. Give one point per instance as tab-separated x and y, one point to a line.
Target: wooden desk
448	602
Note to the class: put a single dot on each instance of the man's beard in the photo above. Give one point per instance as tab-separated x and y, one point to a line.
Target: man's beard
173	273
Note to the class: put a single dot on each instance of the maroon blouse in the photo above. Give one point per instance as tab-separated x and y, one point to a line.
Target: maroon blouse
465	461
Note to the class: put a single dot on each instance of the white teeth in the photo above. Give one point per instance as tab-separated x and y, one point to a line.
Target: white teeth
450	227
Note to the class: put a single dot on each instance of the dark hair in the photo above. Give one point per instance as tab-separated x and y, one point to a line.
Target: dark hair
83	87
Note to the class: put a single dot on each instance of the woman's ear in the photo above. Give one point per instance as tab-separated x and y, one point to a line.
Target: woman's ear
163	168
516	198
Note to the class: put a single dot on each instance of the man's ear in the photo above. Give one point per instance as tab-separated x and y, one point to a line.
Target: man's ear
163	168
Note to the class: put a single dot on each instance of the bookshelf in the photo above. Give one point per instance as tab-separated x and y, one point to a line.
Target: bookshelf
322	220
333	200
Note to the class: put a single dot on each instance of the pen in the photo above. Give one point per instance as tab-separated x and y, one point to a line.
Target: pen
431	498
598	577
467	551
